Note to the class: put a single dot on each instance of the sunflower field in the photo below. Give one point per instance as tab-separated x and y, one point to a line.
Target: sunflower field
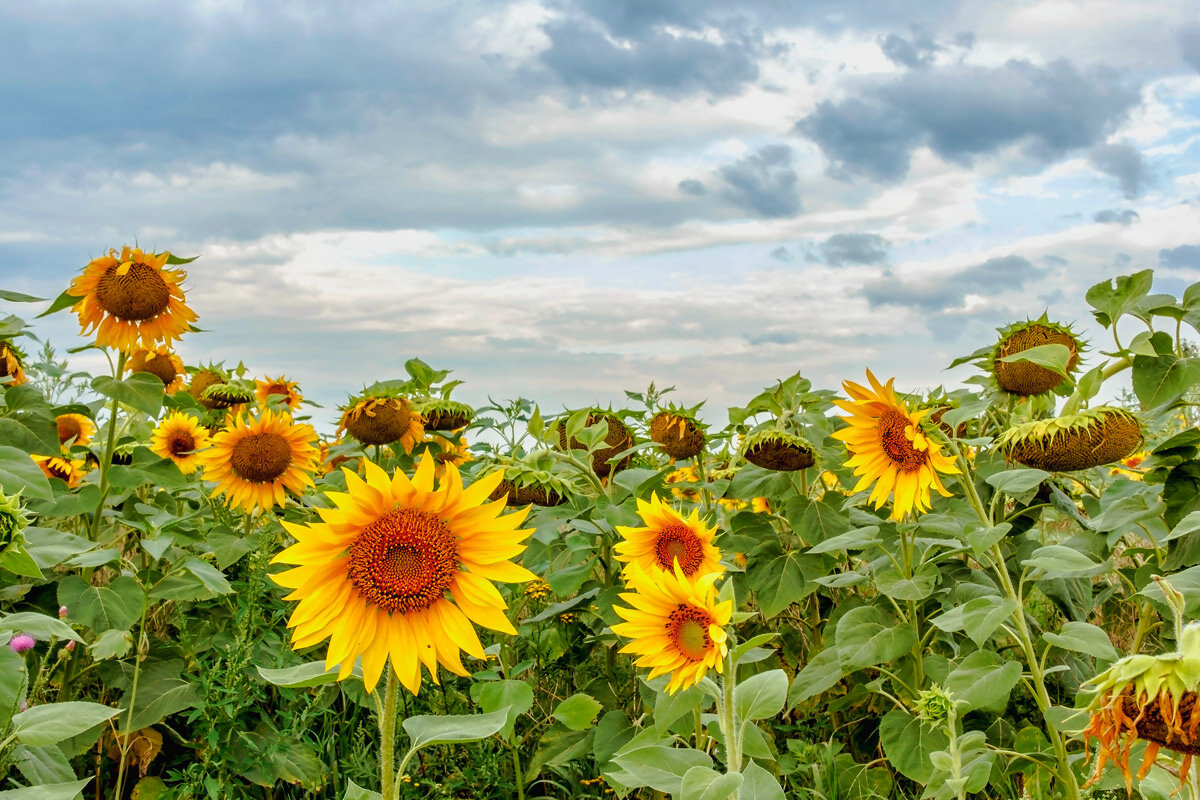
869	591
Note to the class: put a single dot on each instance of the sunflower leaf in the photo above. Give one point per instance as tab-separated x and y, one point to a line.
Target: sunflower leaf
18	297
64	300
140	390
1053	357
452	729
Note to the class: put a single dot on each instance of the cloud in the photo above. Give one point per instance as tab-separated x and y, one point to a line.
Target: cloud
764	182
1109	216
1189	45
963	111
914	53
1187	255
1124	162
781	253
1002	274
853	248
693	187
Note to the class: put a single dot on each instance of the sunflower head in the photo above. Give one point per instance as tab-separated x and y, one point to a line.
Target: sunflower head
1129	466
1153	698
452	450
400	569
890	448
65	469
529	481
618	438
12	364
1025	378
256	459
224	396
162	363
668	541
180	437
13	519
678	433
442	414
288	391
382	418
676	625
1086	439
130	298
778	450
74	428
203	379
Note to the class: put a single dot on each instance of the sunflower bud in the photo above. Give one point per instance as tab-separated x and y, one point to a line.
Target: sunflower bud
13	519
935	706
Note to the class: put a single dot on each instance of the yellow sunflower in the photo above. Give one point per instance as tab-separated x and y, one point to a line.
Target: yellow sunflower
74	426
400	570
290	390
451	450
256	458
890	449
69	470
10	364
676	625
180	437
161	363
383	420
667	540
128	298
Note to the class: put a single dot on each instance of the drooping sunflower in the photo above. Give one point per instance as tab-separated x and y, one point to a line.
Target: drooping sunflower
400	570
445	415
74	426
669	539
129	298
1085	439
383	419
162	363
618	438
257	458
180	437
678	433
66	469
290	391
11	364
676	624
1023	377
227	396
202	380
890	449
777	450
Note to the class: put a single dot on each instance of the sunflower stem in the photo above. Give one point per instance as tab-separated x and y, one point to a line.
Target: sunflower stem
728	716
387	737
106	455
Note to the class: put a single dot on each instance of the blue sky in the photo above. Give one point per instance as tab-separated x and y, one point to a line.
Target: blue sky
563	199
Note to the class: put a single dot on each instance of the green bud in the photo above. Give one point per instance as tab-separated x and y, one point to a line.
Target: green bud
13	520
935	705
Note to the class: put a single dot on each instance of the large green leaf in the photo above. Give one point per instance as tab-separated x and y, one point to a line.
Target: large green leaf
907	742
784	579
117	605
453	729
659	766
1111	299
1081	637
822	672
18	297
983	680
761	696
705	783
301	676
40	626
866	636
47	791
52	723
516	696
578	711
141	390
978	617
758	784
20	473
1053	357
1159	381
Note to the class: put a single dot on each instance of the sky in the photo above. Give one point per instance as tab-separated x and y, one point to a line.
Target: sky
565	199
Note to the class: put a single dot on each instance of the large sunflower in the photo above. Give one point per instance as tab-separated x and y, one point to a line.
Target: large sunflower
128	298
161	363
676	625
289	390
180	437
890	449
400	570
667	540
75	427
11	365
256	458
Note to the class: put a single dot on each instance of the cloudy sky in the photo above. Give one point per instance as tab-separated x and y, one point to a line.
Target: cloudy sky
562	199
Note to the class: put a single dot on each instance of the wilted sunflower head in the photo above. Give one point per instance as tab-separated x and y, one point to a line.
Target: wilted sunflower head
1086	439
130	299
204	378
527	482
74	428
224	396
778	450
678	433
12	364
162	364
287	391
382	417
618	438
442	414
1023	377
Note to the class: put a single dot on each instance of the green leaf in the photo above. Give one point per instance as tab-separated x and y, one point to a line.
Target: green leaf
1159	381
42	765
356	792
19	472
515	696
1080	637
1060	561
578	711
16	559
922	584
781	581
208	575
866	637
31	432
981	539
1018	481
658	766
761	696
64	300
40	626
758	784
453	729
141	391
983	680
857	539
1189	524
1053	357
54	722
12	684
111	644
1111	299
301	676
47	791
101	608
17	297
705	783
979	617
822	672
907	743
751	644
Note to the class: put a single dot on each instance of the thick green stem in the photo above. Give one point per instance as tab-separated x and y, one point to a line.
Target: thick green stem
387	737
728	716
106	455
518	775
127	739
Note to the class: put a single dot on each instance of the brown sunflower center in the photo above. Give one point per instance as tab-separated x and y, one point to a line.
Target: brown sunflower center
261	457
68	428
180	443
161	367
379	423
404	561
687	627
678	542
139	294
898	447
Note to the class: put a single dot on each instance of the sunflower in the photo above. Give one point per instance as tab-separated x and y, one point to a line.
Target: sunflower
11	364
383	420
1023	377
202	381
890	449
401	570
289	390
1085	439
180	437
777	450
677	433
75	427
161	363
445	415
69	470
450	451
225	396
676	624
1129	466
255	459
618	438
669	539
128	297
